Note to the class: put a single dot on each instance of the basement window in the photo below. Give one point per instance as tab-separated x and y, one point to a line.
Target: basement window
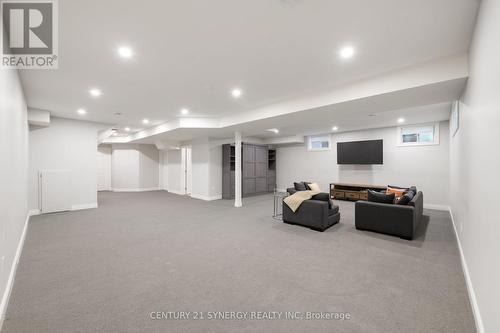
418	135
318	143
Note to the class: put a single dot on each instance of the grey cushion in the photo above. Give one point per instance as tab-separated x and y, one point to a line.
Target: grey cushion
414	190
381	197
300	186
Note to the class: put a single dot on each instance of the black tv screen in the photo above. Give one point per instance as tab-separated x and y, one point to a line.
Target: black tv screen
360	152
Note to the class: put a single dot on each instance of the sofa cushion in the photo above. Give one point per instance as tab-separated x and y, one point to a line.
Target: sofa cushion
314	187
414	190
397	191
380	197
411	188
405	199
300	186
307	185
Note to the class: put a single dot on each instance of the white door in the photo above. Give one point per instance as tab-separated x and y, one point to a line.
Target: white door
55	195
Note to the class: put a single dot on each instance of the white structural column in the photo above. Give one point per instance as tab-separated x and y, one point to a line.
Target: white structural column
237	171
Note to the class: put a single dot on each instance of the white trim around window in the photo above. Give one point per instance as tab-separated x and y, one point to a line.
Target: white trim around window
418	135
319	142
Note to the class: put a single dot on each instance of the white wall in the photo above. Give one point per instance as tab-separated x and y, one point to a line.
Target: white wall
475	169
70	145
135	167
174	171
423	166
215	179
200	157
13	178
149	166
163	172
125	168
104	168
207	169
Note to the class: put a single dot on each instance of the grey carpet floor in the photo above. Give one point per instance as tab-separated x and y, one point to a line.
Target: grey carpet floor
107	269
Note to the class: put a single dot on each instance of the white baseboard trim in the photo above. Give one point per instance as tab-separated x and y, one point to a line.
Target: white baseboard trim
468	281
437	207
206	197
33	212
146	189
176	192
84	206
12	274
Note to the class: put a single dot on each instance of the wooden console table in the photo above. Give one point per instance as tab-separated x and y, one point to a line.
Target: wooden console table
346	191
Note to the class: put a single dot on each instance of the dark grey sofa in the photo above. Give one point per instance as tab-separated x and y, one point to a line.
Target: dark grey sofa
391	219
318	213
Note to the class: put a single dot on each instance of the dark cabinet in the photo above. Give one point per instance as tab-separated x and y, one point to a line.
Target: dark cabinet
258	170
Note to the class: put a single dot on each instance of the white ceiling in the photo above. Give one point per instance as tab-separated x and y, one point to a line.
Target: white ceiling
290	127
190	53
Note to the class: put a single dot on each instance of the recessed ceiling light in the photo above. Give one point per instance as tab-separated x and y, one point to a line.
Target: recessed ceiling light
236	92
81	111
346	52
125	52
145	121
95	92
184	111
335	128
274	130
401	120
127	129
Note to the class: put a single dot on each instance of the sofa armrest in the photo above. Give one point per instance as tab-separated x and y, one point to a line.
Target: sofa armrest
386	218
321	197
418	204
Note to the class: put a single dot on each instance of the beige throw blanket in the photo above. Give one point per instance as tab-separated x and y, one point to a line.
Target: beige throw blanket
295	200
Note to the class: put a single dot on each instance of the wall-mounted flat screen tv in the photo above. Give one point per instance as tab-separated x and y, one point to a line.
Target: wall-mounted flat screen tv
360	152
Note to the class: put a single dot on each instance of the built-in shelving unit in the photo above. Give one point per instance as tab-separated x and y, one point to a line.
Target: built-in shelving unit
271	170
258	170
232	158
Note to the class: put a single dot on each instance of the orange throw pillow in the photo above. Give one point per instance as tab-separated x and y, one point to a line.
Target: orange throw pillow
398	192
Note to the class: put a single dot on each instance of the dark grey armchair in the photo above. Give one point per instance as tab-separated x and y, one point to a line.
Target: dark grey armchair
318	213
392	219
